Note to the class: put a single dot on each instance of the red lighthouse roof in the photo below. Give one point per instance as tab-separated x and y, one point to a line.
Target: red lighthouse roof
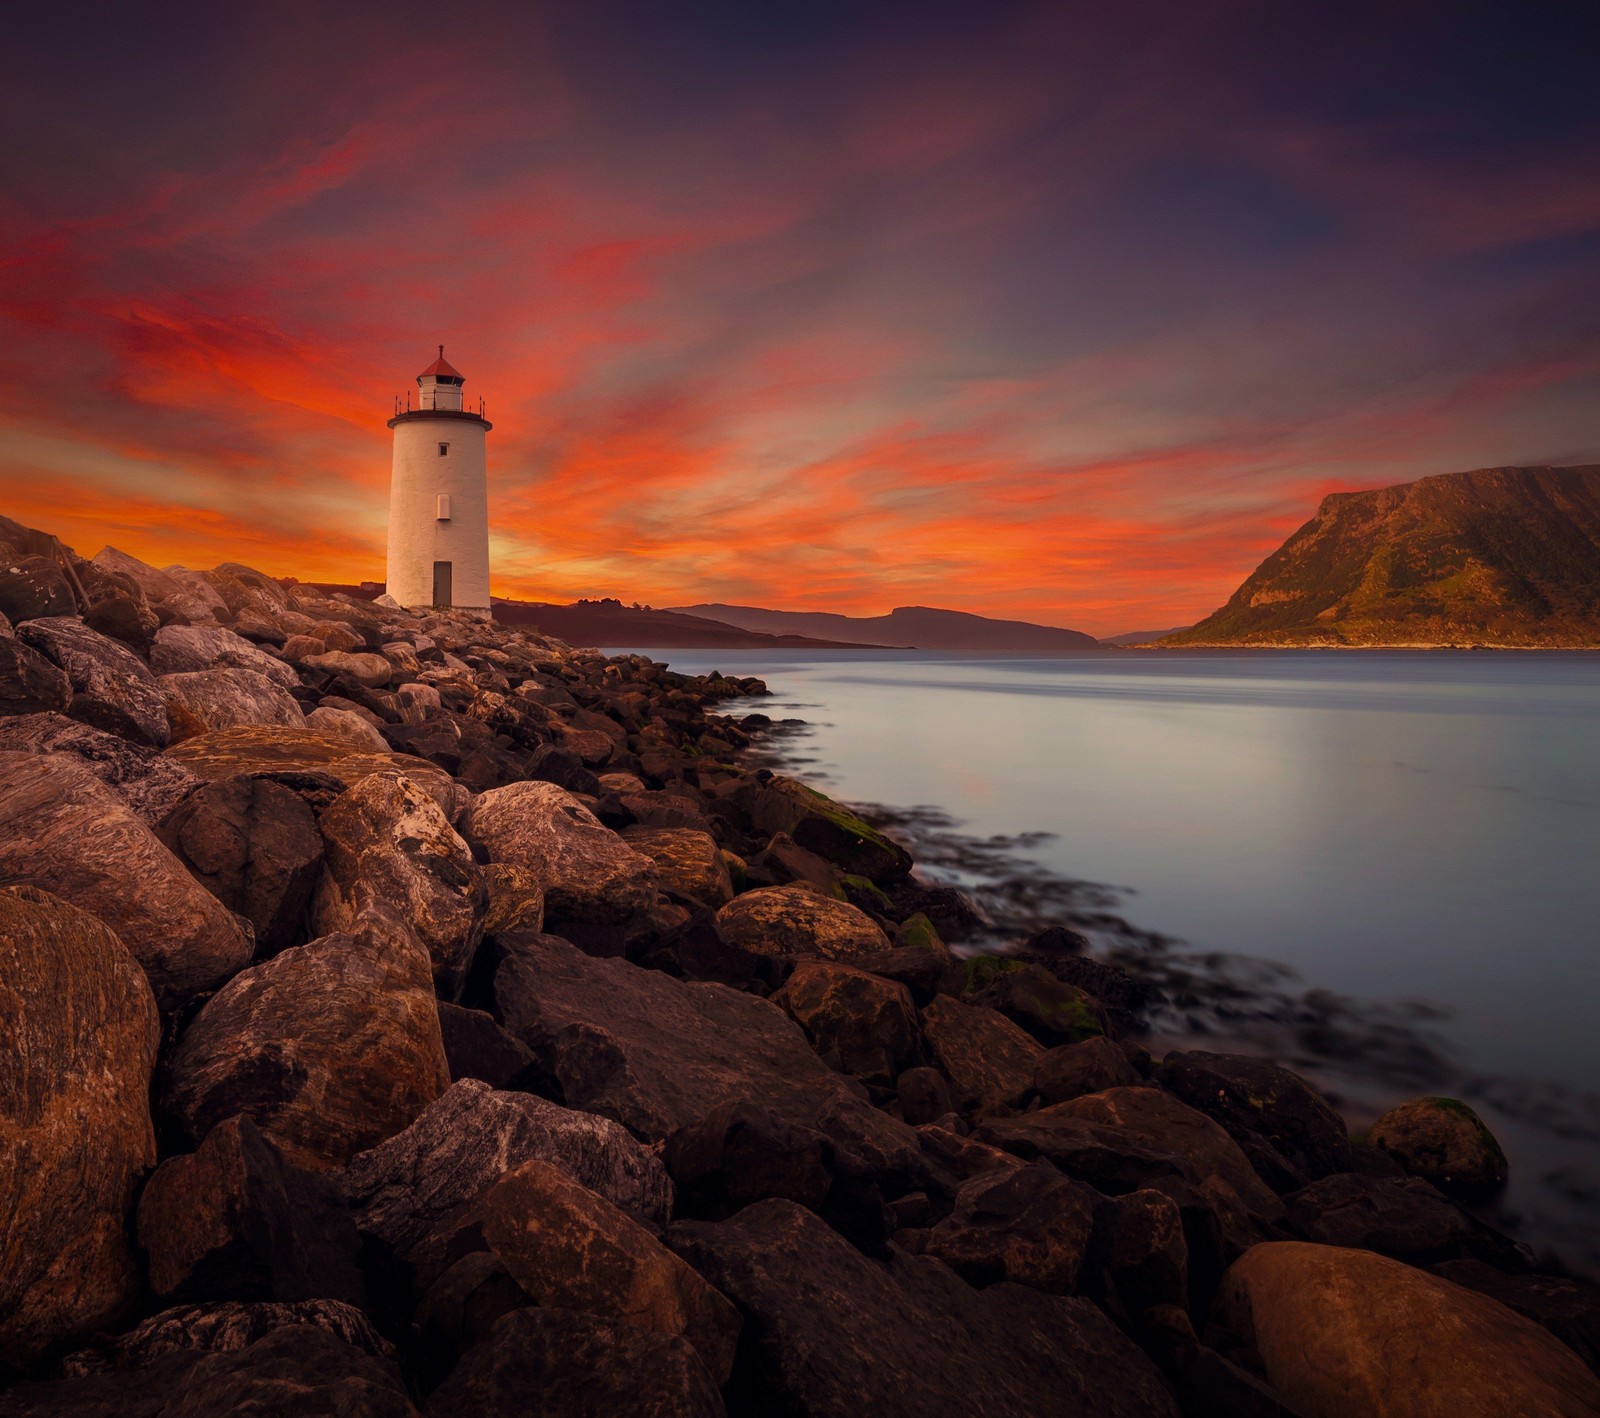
440	369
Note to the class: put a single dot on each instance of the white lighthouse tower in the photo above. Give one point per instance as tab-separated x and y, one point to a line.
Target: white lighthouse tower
439	497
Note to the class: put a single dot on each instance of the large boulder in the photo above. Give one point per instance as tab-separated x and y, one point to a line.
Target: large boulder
159	588
1444	1142
568	1248
860	1025
234	1221
227	697
659	1054
255	846
178	649
1290	1133
688	861
580	1366
1345	1331
80	1031
590	876
388	842
988	1059
1402	1217
71	835
1569	1308
112	688
817	823
373	671
330	1047
29	683
832	1334
348	726
148	782
470	1136
795	920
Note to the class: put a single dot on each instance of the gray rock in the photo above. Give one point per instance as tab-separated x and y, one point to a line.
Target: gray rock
179	649
226	697
148	782
112	688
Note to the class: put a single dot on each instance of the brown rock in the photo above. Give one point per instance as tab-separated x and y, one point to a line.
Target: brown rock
330	1047
1051	1010
988	1059
80	1030
371	670
1444	1142
1075	1069
29	683
688	862
1031	1225
516	899
347	726
1345	1331
148	782
859	1024
178	649
793	920
69	834
112	688
225	698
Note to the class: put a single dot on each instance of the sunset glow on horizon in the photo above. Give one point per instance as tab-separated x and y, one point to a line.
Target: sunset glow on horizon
1052	312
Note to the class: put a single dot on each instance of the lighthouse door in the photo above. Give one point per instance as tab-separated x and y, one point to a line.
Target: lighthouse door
441	583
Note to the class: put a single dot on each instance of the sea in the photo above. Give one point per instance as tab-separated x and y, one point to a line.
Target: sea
1380	867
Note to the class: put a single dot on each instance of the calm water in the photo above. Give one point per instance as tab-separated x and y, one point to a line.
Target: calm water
1391	825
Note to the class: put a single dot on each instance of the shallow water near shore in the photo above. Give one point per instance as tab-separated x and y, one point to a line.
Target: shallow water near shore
1416	836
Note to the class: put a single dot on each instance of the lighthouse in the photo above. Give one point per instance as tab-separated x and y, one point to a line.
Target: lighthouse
439	497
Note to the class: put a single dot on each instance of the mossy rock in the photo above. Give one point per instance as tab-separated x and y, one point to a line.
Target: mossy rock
978	970
1444	1142
919	933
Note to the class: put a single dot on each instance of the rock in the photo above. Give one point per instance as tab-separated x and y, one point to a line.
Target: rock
516	900
590	876
1444	1142
988	1059
226	698
179	649
29	683
1030	1225
112	689
477	1047
579	1366
234	1221
294	1368
1072	1070
371	670
793	920
330	1047
200	604
1143	1252
783	861
158	587
571	1249
859	1024
739	1153
924	1095
33	586
832	1334
471	1136
1345	1331
1045	1007
148	782
116	606
297	648
1290	1133
820	825
348	727
388	842
1400	1217
254	845
1568	1308
688	862
69	834
659	1054
80	1030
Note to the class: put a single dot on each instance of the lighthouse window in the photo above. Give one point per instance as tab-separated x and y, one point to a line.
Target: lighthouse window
443	449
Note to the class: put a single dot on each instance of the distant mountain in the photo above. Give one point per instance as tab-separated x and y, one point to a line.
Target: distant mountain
609	622
913	627
1140	637
1500	556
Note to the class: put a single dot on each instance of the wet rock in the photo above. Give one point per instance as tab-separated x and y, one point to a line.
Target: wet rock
569	1248
80	1030
388	842
1052	1011
471	1136
1345	1331
112	688
234	1221
296	1369
1031	1225
148	782
371	670
688	862
71	835
820	825
1290	1133
590	876
180	649
1075	1069
1124	996
829	1332
330	1047
225	698
254	845
1568	1308
1444	1142
29	683
988	1059
348	727
858	1024
579	1365
659	1054
477	1047
793	920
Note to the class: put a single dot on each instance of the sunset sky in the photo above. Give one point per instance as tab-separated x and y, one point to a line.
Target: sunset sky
1068	312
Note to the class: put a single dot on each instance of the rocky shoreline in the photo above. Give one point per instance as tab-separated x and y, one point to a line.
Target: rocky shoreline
413	1014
